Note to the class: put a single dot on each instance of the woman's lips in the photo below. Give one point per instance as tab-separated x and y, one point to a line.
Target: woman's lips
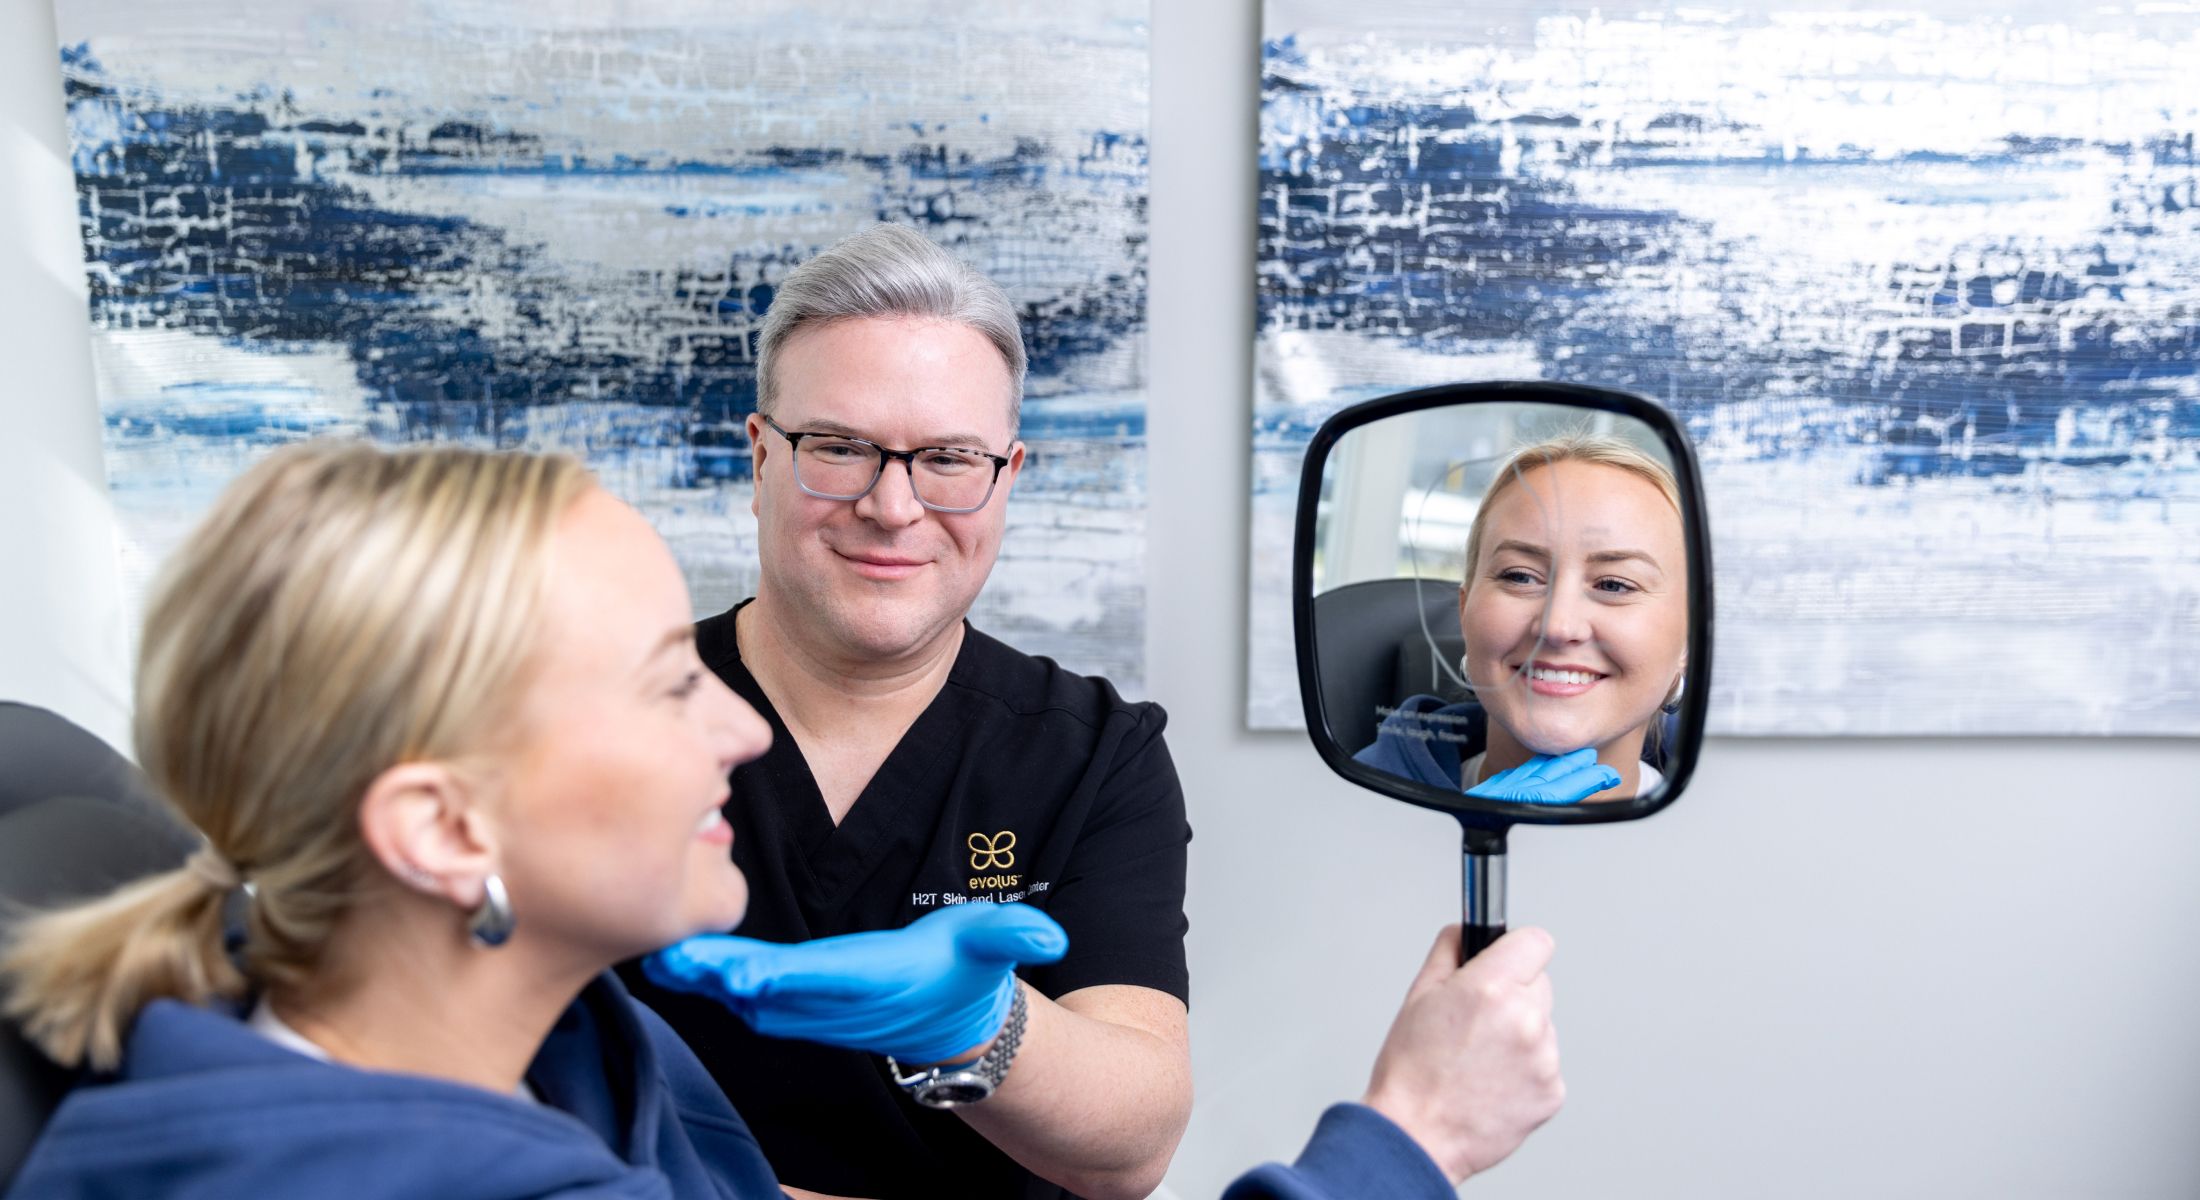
713	829
1559	680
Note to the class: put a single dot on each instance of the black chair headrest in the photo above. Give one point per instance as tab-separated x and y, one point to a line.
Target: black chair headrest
1368	629
43	755
68	844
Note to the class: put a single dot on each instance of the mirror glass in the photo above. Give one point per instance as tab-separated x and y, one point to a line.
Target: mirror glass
1501	602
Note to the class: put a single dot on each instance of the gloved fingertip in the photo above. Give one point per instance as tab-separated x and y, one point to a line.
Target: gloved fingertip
1043	945
1013	933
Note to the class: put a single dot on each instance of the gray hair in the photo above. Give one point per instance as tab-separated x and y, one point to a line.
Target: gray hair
889	271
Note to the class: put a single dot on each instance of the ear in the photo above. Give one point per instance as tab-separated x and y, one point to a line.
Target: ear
423	822
755	428
1014	468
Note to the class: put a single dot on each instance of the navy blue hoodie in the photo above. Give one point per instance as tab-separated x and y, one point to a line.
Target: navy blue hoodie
1427	741
205	1108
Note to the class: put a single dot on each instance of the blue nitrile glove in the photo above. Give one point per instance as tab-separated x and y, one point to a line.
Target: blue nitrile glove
1547	780
922	993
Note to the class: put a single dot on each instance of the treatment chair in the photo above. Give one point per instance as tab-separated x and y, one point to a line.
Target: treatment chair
76	819
1373	653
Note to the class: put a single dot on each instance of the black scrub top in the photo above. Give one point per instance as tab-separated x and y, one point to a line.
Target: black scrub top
1021	781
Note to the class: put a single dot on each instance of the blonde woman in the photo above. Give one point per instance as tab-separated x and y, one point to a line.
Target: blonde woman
440	712
1574	614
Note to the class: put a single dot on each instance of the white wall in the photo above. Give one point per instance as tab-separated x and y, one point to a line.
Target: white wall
1835	968
61	629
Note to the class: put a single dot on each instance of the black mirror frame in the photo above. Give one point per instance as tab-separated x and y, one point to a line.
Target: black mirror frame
1493	815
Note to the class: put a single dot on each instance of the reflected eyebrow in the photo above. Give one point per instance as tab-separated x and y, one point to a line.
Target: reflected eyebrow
1528	548
940	441
1604	556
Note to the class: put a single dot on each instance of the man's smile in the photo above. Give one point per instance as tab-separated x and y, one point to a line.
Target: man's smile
880	565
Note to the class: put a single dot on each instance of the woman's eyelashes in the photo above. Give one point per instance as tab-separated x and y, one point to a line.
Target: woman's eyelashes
688	684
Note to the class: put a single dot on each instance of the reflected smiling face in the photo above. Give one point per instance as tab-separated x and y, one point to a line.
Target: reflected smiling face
612	839
881	577
1576	616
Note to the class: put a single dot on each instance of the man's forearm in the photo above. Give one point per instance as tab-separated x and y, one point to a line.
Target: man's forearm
1099	1093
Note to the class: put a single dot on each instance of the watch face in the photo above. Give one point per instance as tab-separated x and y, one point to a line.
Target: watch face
949	1091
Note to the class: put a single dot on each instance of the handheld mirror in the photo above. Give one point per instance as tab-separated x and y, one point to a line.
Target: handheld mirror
1502	603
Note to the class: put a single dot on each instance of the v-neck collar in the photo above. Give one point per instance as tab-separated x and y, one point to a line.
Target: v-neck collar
892	816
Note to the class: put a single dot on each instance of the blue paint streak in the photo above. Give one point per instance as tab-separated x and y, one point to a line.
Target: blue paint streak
1398	221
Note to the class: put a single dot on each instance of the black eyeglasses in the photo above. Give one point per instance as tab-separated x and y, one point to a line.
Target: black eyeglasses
948	479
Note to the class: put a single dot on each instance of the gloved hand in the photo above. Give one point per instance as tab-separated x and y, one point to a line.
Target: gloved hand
1543	779
924	993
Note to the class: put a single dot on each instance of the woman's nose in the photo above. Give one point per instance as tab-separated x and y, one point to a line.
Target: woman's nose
1565	618
741	732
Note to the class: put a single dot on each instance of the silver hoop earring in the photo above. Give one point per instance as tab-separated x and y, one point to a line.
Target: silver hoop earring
492	922
1673	702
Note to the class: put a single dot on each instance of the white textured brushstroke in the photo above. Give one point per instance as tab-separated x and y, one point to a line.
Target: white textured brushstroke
138	372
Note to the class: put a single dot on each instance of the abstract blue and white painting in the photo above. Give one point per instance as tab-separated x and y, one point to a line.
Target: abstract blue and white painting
557	223
1921	280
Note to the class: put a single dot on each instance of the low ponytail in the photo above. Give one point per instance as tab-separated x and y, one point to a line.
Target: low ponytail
77	976
341	609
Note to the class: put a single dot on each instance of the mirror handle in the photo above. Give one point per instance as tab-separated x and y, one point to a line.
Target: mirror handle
1482	914
1474	939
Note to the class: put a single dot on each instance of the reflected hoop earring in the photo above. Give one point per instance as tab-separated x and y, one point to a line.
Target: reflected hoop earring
1673	702
492	923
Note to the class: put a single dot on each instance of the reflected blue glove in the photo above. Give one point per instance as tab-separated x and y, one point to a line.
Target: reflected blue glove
1545	780
923	993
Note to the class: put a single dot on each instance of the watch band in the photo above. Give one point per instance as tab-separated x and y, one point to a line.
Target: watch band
968	1083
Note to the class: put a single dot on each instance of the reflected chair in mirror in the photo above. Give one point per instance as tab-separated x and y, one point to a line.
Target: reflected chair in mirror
1365	630
76	820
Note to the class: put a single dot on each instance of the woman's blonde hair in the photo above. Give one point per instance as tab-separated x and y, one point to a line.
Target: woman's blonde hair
1578	446
341	610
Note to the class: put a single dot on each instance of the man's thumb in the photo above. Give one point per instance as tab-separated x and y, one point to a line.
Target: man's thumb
1011	933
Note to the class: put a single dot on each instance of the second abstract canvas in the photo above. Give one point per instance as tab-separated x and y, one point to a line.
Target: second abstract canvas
1924	285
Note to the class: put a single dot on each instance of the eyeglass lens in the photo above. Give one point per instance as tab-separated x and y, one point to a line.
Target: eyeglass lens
843	469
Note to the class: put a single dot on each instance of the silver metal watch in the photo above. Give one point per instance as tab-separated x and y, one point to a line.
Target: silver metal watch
967	1083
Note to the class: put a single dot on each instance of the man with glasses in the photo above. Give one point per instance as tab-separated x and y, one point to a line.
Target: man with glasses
917	763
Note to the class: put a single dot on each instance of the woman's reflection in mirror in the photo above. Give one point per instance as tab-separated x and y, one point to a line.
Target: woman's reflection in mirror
1574	613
